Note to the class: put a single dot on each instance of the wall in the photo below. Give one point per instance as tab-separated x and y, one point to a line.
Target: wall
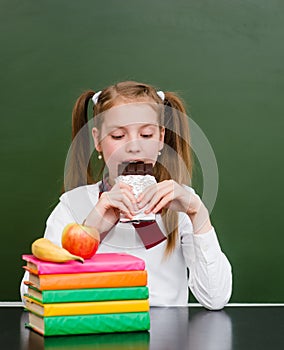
224	58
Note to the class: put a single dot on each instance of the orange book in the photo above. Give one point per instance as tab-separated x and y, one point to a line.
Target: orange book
88	280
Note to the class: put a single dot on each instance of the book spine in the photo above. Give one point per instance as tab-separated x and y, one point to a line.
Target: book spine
93	280
94	294
88	324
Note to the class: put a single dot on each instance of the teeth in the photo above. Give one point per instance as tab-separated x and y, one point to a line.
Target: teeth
46	250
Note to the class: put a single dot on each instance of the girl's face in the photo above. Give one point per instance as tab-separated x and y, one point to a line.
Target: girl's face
129	132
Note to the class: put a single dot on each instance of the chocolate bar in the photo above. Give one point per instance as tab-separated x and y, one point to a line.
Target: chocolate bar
135	168
139	175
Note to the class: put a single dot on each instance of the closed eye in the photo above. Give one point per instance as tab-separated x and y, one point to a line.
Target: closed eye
146	136
117	137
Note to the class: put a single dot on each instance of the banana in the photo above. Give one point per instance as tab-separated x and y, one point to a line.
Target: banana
44	249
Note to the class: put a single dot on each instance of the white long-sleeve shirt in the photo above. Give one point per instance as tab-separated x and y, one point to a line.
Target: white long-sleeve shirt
210	277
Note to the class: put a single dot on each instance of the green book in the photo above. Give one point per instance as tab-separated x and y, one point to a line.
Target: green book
104	341
89	324
87	294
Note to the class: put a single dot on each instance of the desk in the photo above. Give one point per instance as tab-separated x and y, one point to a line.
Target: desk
174	328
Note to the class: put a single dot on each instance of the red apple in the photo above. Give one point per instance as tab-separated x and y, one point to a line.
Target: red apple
80	240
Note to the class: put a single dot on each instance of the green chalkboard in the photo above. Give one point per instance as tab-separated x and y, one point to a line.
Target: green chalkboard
224	58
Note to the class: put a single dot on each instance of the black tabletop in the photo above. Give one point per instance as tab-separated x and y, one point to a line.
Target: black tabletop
171	329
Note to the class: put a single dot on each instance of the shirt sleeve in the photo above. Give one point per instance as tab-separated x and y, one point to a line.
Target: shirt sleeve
58	219
74	206
210	276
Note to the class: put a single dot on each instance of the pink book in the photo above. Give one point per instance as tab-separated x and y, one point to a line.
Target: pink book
100	262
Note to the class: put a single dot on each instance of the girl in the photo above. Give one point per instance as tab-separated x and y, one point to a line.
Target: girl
134	122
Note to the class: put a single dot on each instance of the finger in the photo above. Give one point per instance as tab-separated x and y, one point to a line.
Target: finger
156	197
116	199
124	200
162	204
129	200
128	194
147	195
159	203
123	185
123	208
149	192
126	191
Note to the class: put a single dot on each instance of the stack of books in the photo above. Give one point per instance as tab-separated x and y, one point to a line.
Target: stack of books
107	293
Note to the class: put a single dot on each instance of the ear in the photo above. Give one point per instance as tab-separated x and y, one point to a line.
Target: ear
162	136
95	134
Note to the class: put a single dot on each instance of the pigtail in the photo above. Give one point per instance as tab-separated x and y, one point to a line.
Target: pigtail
176	160
177	137
78	169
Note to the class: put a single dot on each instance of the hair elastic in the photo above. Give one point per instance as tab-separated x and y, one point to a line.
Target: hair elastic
161	95
95	97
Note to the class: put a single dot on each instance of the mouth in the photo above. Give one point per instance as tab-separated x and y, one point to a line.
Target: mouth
133	160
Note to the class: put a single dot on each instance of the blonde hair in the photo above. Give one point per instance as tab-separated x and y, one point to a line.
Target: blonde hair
177	140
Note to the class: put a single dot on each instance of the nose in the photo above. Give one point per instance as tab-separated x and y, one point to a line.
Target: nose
133	146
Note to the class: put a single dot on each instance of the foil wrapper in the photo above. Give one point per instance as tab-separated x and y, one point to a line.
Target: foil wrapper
139	183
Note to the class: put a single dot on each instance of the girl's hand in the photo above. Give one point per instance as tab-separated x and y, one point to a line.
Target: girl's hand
169	194
120	199
166	194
